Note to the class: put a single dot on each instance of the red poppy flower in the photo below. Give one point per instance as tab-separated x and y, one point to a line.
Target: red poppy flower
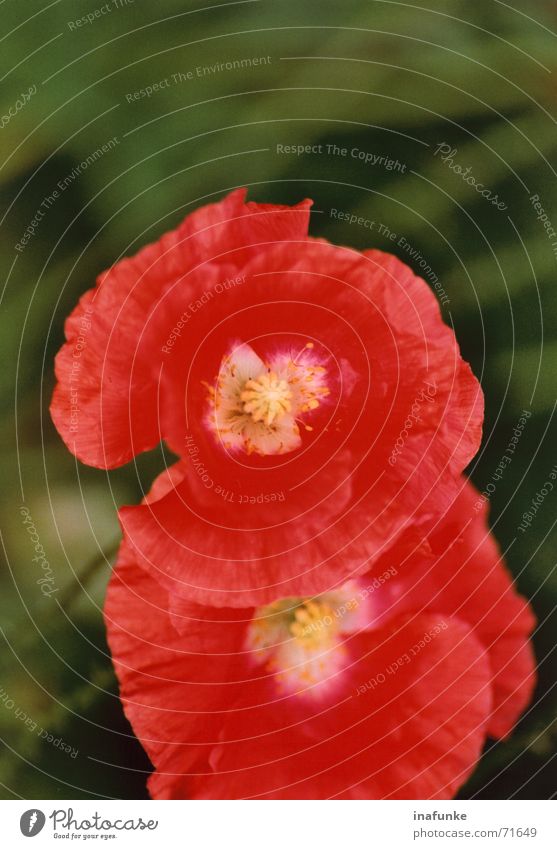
385	687
315	399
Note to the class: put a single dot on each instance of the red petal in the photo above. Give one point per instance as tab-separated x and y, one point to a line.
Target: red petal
186	545
467	578
164	677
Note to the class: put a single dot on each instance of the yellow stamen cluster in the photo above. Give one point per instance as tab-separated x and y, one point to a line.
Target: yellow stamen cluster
314	624
266	398
299	641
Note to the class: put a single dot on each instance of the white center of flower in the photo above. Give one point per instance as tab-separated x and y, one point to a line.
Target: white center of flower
257	406
301	641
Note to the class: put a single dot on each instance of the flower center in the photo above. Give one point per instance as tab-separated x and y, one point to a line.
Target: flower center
301	642
266	398
258	406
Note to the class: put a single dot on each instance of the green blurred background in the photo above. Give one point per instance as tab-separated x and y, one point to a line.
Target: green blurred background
388	78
